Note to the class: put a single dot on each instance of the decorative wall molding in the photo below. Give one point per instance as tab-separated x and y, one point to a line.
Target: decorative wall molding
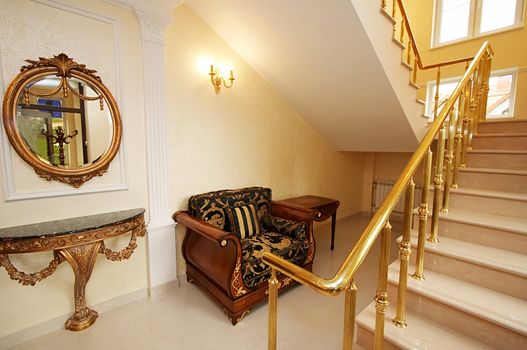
10	191
161	238
158	8
153	27
153	32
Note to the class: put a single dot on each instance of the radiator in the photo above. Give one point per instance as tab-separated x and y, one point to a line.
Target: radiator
380	190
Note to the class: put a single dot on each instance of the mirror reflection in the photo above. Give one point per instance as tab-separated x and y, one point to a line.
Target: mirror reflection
68	130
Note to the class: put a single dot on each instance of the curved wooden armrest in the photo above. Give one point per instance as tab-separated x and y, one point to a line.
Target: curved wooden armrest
199	226
293	212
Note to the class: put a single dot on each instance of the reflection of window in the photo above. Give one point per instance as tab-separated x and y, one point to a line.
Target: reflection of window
53	103
500	103
461	19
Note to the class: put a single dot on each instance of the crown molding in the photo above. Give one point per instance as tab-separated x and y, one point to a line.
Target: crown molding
156	8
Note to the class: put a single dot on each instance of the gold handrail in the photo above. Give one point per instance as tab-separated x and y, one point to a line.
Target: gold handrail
337	283
475	74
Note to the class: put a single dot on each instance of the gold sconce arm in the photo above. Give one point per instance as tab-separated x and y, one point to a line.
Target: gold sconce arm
217	80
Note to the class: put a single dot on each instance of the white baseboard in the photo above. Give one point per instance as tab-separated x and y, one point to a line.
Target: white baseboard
158	291
57	323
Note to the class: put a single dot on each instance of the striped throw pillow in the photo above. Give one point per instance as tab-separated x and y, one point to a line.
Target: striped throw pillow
244	221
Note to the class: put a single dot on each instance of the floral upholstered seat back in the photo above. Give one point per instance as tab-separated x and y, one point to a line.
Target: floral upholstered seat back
211	207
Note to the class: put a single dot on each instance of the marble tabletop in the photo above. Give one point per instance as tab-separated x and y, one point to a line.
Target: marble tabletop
68	226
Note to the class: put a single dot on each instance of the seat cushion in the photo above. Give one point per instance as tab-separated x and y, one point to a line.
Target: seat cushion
254	270
295	229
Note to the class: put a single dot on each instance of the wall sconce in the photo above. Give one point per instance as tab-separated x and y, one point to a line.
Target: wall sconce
217	80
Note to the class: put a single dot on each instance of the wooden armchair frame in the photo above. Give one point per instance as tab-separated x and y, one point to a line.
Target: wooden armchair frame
213	258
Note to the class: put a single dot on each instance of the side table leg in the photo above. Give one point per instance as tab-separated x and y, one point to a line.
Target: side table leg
333	219
82	259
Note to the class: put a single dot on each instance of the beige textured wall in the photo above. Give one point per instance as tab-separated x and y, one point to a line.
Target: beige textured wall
509	53
243	136
30	30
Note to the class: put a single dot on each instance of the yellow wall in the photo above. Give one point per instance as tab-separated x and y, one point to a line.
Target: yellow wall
243	136
509	48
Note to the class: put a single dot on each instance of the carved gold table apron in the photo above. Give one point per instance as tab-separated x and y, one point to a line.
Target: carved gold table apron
76	240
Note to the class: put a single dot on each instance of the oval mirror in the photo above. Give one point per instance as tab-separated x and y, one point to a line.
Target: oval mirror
62	120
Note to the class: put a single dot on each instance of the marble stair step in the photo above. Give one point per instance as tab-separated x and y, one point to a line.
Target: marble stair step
501	159
500	141
503	126
496	319
492	202
423	333
495	231
493	179
500	270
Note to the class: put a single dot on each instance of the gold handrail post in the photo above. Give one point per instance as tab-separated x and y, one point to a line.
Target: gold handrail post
273	296
381	297
458	139
349	315
409	52
403	24
438	182
436	97
414	73
404	254
466	123
487	68
449	157
423	217
474	105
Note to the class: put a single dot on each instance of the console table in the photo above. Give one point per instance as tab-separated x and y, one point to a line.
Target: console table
76	240
327	207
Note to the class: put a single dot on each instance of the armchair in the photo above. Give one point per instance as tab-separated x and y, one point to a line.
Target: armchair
223	251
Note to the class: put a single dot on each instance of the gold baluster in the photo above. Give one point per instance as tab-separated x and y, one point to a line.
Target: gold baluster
449	157
404	254
474	101
273	295
436	98
423	217
485	87
381	297
349	315
409	52
458	139
403	22
383	4
414	72
394	8
466	122
438	181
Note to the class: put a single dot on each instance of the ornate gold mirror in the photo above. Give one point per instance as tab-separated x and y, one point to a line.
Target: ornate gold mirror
62	120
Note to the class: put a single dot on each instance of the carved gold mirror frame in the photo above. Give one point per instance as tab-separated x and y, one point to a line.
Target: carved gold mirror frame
63	69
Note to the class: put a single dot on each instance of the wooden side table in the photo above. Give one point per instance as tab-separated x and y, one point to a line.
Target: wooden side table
326	206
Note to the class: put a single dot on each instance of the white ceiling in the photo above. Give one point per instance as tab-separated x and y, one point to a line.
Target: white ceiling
317	56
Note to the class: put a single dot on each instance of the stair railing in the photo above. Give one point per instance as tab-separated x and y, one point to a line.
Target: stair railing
405	36
453	127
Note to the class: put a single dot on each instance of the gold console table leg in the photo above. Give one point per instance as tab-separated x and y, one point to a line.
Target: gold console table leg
82	259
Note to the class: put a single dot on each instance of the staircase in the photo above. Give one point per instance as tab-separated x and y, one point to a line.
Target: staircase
474	295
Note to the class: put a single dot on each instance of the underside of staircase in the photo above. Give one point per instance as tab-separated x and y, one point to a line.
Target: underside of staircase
474	295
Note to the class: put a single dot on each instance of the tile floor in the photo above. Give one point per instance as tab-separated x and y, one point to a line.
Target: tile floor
187	319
